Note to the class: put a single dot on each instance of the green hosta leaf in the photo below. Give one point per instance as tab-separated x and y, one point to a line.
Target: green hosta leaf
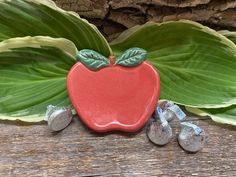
197	65
132	57
229	34
37	42
222	115
92	59
33	75
20	18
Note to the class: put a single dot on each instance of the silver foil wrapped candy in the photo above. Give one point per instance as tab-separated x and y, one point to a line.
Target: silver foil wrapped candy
159	131
171	111
191	137
58	118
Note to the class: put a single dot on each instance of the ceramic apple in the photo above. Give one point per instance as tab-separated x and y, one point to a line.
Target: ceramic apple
113	94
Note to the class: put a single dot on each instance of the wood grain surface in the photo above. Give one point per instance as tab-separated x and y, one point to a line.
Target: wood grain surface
32	150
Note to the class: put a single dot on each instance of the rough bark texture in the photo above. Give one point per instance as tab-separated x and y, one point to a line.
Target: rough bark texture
76	151
114	16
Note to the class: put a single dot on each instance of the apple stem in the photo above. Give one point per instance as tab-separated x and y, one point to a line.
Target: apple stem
112	59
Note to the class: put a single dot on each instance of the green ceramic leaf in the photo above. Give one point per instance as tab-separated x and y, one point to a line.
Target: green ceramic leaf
20	18
132	57
197	65
92	59
222	115
33	75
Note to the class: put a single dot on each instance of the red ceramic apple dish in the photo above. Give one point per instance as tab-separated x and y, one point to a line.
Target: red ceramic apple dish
113	94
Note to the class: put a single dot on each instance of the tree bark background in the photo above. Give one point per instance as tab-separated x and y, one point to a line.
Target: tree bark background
114	16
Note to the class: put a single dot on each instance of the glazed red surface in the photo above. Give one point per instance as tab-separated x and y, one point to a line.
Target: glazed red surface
114	97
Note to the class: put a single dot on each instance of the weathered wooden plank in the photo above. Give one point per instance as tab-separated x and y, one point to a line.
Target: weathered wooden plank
32	150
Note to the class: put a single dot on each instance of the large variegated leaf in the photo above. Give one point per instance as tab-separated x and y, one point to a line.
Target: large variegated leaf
229	34
19	18
197	65
222	115
33	74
